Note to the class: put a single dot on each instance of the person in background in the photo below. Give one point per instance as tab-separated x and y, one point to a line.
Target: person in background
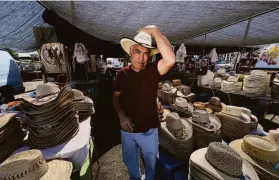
134	98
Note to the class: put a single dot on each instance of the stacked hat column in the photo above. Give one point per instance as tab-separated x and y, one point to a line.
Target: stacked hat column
52	119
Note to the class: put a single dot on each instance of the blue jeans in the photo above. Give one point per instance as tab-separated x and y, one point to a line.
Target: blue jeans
148	143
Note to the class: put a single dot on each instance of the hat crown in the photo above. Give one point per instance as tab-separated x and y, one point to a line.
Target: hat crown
24	165
181	102
224	158
78	94
200	116
143	38
46	89
273	135
173	121
215	101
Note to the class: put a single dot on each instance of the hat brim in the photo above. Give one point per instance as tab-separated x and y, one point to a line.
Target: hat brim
126	44
198	158
266	168
58	169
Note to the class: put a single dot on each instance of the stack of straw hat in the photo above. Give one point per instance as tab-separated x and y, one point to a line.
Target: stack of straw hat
256	84
52	118
275	87
236	122
185	92
11	135
182	107
214	104
261	153
219	162
84	105
206	128
231	85
167	93
175	135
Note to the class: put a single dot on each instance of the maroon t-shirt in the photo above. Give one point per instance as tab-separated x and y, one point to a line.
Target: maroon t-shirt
138	96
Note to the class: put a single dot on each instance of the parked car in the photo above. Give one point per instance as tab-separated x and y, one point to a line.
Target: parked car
10	73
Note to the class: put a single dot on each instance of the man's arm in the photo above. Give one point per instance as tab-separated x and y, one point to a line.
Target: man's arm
125	122
164	46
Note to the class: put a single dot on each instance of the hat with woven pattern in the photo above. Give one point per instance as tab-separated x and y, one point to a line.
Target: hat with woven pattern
31	165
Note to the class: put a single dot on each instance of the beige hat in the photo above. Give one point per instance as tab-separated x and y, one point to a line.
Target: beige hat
177	128
175	135
175	125
142	38
206	128
182	107
181	102
260	153
235	110
199	105
219	161
205	120
46	89
273	136
30	165
176	82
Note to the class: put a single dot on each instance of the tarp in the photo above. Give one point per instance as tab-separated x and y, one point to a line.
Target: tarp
17	20
179	21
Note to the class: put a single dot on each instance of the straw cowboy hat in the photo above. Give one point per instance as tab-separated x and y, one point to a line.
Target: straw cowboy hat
182	107
261	153
176	82
219	161
214	104
46	89
236	122
175	135
185	92
273	136
206	128
142	38
31	165
11	134
167	94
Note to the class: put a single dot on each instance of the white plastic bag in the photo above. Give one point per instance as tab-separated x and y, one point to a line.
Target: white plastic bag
213	55
80	53
181	53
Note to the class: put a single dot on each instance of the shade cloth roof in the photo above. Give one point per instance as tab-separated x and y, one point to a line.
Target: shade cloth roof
180	21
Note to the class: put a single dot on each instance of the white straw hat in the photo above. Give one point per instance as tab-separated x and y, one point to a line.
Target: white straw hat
142	38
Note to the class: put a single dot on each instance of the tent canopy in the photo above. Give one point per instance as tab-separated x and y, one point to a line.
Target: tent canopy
180	21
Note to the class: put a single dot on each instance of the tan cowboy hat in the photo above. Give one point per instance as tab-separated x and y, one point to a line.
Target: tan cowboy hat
262	154
273	136
46	89
206	128
219	161
175	135
31	165
235	110
176	82
177	128
142	38
199	105
11	135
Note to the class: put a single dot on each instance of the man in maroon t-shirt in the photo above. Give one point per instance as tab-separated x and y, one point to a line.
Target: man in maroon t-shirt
134	99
